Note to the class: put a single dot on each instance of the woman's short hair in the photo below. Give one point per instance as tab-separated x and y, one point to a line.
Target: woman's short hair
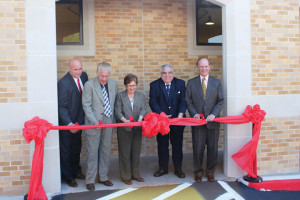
130	77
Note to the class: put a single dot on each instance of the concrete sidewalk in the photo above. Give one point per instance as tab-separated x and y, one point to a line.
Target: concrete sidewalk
149	164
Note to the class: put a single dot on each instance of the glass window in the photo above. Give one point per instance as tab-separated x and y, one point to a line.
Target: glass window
69	22
208	23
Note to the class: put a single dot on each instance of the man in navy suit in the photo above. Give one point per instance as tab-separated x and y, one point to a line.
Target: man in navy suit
167	94
70	111
204	95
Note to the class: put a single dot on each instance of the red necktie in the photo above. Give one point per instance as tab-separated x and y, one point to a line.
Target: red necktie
79	86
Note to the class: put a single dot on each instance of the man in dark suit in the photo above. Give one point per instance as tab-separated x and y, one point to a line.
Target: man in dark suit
167	94
70	111
204	95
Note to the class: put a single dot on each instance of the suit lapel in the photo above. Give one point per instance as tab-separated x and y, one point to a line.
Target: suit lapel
111	91
209	87
199	87
172	88
98	89
126	99
163	89
71	79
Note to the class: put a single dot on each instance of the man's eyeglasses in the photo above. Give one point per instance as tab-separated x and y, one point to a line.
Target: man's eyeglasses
165	73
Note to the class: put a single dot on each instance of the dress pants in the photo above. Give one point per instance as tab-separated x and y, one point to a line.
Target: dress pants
70	148
202	136
129	143
176	138
98	153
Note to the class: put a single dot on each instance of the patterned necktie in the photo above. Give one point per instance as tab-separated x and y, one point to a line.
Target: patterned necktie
79	86
168	89
107	108
204	87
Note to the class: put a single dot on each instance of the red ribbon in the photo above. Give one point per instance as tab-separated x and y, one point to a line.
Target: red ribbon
37	129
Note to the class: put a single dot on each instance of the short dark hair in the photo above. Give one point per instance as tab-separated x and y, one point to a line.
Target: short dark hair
130	77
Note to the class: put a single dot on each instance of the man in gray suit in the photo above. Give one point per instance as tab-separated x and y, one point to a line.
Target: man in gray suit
98	101
204	95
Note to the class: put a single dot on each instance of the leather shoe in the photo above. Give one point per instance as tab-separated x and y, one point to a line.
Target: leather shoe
138	179
127	182
90	187
210	178
179	173
107	183
72	183
198	178
160	172
79	176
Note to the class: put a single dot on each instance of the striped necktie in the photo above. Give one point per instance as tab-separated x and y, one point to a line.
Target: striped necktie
107	108
204	87
168	89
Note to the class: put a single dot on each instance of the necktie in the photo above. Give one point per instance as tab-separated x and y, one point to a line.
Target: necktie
107	108
204	87
79	86
168	89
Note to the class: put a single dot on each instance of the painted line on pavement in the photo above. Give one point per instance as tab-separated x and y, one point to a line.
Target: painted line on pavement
117	194
231	191
173	191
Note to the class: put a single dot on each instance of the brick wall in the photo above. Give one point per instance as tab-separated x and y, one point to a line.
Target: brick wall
14	152
275	47
12	52
136	37
278	150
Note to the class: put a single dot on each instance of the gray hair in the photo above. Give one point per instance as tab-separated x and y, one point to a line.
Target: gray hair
103	66
166	65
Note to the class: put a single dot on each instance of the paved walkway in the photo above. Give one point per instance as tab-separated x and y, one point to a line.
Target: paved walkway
168	186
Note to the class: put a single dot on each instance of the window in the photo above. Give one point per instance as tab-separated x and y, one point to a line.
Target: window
208	23
69	27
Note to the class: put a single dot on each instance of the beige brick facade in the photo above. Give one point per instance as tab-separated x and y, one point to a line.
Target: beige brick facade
138	37
275	47
278	150
12	52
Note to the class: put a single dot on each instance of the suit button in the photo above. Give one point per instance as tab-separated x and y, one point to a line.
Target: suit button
169	107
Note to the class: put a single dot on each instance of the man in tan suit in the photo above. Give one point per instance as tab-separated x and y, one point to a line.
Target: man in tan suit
98	101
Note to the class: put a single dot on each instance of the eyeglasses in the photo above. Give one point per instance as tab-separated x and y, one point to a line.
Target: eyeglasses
131	86
165	73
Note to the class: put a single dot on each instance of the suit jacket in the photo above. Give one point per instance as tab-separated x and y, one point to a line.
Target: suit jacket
93	102
69	100
160	102
123	107
213	102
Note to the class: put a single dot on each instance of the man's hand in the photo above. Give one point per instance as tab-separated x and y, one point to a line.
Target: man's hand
97	128
210	118
180	115
197	116
72	131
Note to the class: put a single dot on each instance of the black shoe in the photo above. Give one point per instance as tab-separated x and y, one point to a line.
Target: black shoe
90	187
72	183
160	173
79	176
179	173
107	183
